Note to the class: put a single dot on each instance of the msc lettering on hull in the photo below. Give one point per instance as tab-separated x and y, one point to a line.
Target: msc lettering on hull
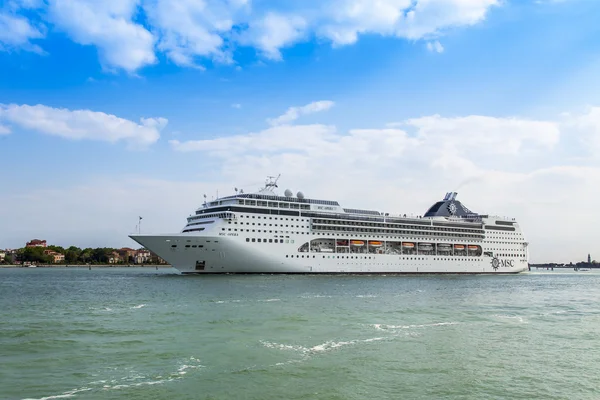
497	263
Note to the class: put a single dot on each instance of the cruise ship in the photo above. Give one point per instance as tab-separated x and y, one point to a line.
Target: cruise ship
267	233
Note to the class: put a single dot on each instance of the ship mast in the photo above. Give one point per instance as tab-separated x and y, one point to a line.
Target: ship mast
271	182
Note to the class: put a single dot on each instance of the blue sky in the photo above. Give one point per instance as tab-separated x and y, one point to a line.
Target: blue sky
496	99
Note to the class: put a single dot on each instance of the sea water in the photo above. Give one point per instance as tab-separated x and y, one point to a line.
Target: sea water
140	333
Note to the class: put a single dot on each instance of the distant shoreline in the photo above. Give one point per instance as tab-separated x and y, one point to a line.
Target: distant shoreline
88	266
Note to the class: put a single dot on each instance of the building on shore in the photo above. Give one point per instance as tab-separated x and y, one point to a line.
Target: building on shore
127	254
142	256
2	255
36	243
115	258
56	256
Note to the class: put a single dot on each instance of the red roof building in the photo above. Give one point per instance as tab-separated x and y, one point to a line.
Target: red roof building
36	243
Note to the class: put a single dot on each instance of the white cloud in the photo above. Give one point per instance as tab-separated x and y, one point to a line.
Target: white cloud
486	134
127	33
588	127
435	47
236	105
83	124
271	140
16	32
122	43
293	113
432	17
188	29
4	130
273	32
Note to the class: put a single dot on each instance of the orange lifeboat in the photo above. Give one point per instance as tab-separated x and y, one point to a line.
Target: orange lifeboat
473	247
357	243
459	247
408	245
375	243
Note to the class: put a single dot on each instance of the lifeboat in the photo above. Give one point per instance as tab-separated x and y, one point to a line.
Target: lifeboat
473	247
408	245
459	247
425	246
375	243
342	243
357	243
444	246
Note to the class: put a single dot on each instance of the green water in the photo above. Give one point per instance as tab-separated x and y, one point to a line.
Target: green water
147	334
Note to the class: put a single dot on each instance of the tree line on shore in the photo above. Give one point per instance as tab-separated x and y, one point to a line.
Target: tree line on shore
73	255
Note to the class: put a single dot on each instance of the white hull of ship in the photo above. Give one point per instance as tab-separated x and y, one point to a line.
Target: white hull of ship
222	254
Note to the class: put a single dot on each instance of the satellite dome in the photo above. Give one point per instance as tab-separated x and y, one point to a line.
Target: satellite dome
288	193
300	195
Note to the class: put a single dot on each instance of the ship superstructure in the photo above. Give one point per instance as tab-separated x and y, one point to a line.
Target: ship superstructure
266	233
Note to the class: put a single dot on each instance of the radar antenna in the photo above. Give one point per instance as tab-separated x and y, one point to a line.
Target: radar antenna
271	182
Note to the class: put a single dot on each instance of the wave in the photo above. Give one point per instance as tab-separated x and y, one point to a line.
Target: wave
319	348
385	327
332	345
131	381
518	318
225	301
65	395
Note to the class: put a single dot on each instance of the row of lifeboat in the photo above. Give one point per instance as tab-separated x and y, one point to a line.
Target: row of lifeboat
359	243
409	245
